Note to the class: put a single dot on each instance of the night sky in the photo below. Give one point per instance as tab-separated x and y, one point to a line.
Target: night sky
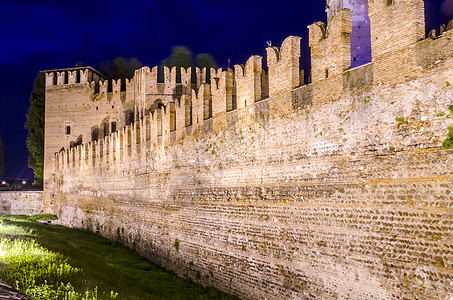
40	35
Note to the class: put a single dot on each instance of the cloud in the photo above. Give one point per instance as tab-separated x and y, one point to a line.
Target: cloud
447	8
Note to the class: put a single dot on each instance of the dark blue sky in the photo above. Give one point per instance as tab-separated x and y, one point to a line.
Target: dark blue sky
47	34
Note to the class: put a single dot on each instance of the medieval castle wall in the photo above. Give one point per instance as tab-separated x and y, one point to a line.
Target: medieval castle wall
268	188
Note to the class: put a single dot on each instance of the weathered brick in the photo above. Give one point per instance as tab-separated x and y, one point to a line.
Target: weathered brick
336	189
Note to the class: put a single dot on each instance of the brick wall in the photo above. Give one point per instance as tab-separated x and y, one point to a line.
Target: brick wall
335	200
336	189
21	203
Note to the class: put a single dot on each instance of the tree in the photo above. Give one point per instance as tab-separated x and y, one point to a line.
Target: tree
2	164
181	56
205	60
35	125
134	64
120	67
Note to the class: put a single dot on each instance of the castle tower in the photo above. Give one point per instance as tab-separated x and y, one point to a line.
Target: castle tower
360	32
396	26
66	90
80	108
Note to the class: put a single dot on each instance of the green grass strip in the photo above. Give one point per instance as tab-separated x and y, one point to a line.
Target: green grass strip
55	262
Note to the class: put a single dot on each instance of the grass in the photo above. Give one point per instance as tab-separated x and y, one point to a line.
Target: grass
176	244
401	121
448	143
55	262
38	272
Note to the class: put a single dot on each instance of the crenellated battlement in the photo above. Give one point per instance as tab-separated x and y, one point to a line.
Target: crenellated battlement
129	142
331	46
330	54
71	76
168	113
338	188
248	81
444	30
175	110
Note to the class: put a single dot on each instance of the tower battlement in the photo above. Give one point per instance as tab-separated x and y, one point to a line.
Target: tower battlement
70	76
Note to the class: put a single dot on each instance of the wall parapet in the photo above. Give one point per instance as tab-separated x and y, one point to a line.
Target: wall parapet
208	110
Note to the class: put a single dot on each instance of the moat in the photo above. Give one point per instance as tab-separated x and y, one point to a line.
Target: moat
103	268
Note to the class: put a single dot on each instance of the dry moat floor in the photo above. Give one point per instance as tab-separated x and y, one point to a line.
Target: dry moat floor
55	262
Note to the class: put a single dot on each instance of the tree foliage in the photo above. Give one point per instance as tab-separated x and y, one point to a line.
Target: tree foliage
35	125
205	60
181	56
2	163
120	67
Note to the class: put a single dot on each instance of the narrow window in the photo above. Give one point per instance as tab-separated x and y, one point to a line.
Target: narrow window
207	108
68	129
148	129
159	124
172	117
113	126
106	129
78	76
188	112
327	73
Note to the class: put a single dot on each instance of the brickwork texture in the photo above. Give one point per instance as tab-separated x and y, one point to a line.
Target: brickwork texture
21	203
263	186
